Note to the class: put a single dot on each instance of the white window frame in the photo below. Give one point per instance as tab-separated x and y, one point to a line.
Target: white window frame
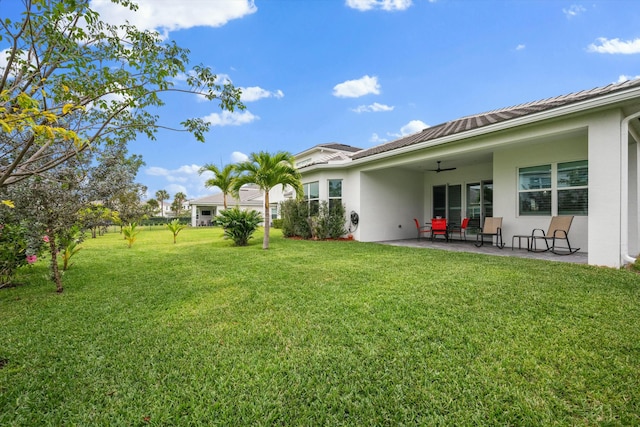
554	189
334	198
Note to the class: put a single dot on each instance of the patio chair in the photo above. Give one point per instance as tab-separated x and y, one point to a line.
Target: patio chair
492	227
460	229
558	230
439	228
421	229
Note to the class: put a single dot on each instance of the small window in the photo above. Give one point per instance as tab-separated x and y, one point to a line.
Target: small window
206	213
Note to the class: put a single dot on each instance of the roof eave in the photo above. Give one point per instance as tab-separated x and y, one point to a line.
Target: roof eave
582	106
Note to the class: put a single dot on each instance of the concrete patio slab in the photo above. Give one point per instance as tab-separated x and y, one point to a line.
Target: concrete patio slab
468	246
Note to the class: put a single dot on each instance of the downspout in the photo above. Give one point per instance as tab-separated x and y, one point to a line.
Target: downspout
624	188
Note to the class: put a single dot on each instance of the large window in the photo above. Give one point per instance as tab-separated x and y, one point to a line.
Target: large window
559	189
312	196
573	191
335	193
535	190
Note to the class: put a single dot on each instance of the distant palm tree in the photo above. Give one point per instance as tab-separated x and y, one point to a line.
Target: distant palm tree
223	179
178	200
266	171
162	195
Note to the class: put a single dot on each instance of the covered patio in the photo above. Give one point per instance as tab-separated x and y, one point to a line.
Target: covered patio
468	246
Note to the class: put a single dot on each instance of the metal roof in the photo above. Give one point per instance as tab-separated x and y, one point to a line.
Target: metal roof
496	116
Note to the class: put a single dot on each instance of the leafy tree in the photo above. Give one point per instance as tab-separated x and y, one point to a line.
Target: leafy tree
51	203
175	227
56	201
239	224
267	171
178	200
162	195
222	178
128	204
95	217
73	81
152	206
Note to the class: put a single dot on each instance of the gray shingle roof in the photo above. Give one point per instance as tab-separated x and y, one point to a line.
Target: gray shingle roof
501	115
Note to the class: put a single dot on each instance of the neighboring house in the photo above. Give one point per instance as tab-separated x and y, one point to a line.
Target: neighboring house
323	153
204	210
576	154
166	211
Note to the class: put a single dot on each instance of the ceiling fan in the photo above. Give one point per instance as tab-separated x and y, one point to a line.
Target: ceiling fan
440	169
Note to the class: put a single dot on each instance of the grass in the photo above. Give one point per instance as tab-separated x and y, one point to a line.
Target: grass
316	333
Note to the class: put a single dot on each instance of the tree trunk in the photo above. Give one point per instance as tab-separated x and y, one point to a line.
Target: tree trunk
55	271
267	220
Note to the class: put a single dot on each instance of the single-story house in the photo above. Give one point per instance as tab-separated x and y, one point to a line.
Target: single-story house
250	197
576	154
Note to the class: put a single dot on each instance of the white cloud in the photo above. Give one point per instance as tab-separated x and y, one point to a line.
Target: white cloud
254	93
615	46
237	157
410	128
372	108
3	59
228	118
375	138
521	47
172	189
186	179
389	5
573	10
357	88
168	16
624	78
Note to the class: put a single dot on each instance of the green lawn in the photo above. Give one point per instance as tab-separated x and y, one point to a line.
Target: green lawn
316	333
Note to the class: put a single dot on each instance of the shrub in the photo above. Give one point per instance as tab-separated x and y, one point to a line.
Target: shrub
276	223
238	224
130	232
175	227
295	219
328	223
68	245
19	246
336	221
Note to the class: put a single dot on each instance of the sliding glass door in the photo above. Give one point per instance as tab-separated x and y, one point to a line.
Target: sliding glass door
479	202
447	202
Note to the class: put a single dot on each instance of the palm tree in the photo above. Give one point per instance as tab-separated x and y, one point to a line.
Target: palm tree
223	179
266	171
161	196
178	200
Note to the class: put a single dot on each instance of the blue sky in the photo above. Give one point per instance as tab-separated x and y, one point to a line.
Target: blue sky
362	72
